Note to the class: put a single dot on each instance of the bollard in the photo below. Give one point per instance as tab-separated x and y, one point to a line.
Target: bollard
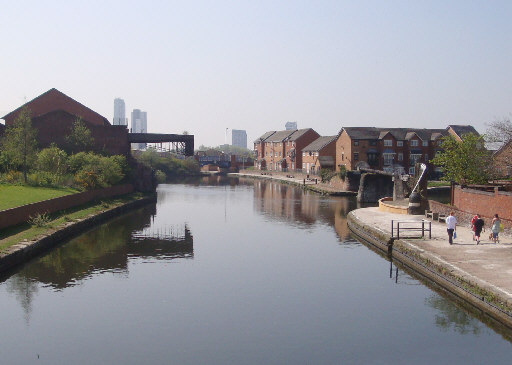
414	204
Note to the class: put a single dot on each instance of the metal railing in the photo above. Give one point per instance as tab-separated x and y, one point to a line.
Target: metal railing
416	226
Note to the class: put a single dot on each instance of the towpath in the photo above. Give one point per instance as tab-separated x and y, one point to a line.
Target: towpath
488	264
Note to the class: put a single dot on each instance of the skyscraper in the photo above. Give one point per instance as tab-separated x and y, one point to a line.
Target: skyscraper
119	112
139	125
290	126
239	138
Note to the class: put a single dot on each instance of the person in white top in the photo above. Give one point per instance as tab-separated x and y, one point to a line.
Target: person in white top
451	226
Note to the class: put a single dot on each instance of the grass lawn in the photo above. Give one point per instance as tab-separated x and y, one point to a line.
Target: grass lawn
12	235
15	195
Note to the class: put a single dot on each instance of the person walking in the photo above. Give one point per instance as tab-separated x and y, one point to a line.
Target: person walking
479	225
495	229
475	217
451	226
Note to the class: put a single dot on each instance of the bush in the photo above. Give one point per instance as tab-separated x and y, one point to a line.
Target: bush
52	160
94	171
343	172
326	175
12	177
39	220
160	176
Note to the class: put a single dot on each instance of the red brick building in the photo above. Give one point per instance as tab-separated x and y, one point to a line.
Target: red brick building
320	154
282	150
53	114
392	149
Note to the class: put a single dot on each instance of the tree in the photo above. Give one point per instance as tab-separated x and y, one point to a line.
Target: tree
466	162
20	143
80	139
499	137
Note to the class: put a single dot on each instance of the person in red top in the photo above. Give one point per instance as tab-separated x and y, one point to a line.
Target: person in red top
473	225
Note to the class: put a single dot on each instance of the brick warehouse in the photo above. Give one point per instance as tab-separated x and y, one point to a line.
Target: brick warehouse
53	114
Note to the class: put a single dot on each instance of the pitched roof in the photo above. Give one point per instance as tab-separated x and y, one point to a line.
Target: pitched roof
53	100
279	136
264	136
400	134
299	133
460	130
319	143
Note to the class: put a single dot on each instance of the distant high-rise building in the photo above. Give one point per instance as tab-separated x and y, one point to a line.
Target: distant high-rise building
139	125
239	138
119	112
290	126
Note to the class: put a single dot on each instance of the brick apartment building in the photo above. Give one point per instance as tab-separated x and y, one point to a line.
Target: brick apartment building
392	149
282	150
53	114
320	154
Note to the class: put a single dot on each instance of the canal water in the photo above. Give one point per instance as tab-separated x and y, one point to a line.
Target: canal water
228	271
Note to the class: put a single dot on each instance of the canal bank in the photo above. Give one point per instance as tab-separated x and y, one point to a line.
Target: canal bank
313	184
479	274
27	249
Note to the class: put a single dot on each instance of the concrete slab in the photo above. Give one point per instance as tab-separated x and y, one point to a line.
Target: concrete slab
488	262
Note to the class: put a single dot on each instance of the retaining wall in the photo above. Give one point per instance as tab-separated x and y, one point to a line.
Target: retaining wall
13	216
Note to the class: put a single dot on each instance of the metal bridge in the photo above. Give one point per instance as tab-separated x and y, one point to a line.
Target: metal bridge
179	143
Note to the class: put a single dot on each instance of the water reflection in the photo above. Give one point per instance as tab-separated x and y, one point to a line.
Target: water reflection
107	248
301	208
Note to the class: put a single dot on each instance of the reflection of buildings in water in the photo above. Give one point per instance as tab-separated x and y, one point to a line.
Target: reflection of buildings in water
304	208
106	248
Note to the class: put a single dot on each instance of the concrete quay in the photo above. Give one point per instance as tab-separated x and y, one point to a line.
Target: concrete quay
479	274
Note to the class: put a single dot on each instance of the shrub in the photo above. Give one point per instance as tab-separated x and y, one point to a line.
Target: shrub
343	172
39	220
160	176
52	160
12	177
326	175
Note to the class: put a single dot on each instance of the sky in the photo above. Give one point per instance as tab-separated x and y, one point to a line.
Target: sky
204	66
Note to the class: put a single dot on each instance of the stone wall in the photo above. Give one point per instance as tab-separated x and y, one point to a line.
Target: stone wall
373	187
13	216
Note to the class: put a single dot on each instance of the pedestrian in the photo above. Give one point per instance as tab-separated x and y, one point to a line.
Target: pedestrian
496	224
479	225
475	217
451	226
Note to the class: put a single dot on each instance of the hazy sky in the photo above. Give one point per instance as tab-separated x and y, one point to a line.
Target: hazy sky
204	66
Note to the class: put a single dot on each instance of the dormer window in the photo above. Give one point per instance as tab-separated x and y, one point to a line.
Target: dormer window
388	142
414	143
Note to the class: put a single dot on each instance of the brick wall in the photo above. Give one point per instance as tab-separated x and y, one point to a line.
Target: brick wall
468	202
13	216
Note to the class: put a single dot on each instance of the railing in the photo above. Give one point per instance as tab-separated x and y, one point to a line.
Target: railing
406	226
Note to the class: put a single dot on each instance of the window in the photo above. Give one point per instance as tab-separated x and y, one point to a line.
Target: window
388	158
411	170
388	142
373	143
343	156
303	165
266	153
413	158
400	143
279	154
275	154
426	157
356	156
356	143
303	154
400	156
414	143
424	143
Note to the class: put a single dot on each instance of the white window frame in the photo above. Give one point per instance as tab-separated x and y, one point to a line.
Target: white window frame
388	143
399	143
413	142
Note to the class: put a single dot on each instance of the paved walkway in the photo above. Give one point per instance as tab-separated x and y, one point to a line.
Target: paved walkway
489	262
298	178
